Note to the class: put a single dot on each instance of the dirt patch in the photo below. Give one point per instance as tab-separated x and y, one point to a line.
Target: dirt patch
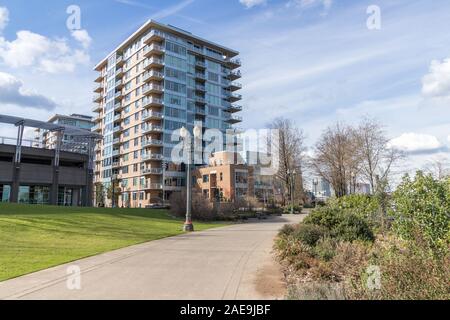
270	282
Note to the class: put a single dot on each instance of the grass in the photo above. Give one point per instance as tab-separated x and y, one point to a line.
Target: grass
33	238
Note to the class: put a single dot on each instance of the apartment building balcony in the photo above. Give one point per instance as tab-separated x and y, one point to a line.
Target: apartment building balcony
232	108
119	95
152	88
116	152
153	75
152	102
117	141
153	186
152	128
152	143
120	73
234	63
116	165
200	76
98	88
233	97
234	75
234	86
234	119
97	128
200	64
153	63
194	49
120	61
200	88
154	35
200	100
152	171
117	117
200	111
97	98
152	156
120	84
117	129
152	115
100	77
97	108
118	106
153	49
97	119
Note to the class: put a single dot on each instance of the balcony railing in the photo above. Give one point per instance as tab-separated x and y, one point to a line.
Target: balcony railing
149	88
154	35
116	152
153	186
152	75
200	76
152	171
152	156
96	128
153	61
152	142
97	98
200	64
118	106
152	128
152	115
151	101
117	129
236	63
200	99
153	48
233	75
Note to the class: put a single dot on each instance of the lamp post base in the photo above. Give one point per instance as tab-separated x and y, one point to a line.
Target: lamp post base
188	227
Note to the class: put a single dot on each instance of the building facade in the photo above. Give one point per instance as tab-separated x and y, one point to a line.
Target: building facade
47	139
228	178
157	81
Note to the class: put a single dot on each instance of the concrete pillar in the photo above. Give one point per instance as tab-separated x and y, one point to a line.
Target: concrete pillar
55	180
15	186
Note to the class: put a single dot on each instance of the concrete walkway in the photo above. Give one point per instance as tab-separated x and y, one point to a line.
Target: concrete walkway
233	262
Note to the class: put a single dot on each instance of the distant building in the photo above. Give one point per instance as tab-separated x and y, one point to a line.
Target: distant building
47	139
321	188
362	188
228	178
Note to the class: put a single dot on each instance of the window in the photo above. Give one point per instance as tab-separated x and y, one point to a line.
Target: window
242	177
175	62
205	178
221	176
174	86
173	73
170	46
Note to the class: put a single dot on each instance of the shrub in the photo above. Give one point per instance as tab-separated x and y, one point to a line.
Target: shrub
325	249
423	205
202	208
324	216
351	228
286	230
309	234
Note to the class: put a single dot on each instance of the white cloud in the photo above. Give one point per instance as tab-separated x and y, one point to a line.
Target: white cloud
416	143
252	3
437	82
12	92
4	18
82	36
304	4
46	55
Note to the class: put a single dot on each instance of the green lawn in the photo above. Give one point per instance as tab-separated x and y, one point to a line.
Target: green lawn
37	237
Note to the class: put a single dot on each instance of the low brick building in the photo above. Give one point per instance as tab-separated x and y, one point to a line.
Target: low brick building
228	178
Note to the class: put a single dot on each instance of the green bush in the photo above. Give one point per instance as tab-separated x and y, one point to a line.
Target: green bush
287	230
325	249
297	209
327	217
341	224
351	228
309	234
422	206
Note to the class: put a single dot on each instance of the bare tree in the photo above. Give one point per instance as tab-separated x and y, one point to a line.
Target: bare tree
335	159
290	149
375	155
439	168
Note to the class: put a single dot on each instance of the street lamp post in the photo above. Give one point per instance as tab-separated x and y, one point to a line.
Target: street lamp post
113	180
188	225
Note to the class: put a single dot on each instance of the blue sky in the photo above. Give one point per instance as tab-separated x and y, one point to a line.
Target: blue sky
314	61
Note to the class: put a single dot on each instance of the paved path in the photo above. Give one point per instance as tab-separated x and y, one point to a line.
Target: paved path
233	262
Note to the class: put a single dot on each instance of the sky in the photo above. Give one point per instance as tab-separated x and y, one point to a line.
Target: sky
313	61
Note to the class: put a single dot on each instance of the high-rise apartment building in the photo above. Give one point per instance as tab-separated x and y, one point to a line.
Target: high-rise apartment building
158	80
